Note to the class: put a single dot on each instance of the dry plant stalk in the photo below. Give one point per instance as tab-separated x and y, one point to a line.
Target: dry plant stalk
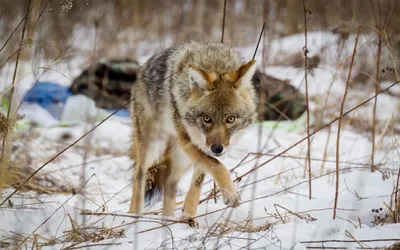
340	122
377	85
9	121
223	228
262	101
379	29
305	50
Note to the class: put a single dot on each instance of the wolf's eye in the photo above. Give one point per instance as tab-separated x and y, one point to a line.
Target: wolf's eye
207	119
230	119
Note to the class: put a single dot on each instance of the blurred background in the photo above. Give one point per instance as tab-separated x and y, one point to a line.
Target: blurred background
52	30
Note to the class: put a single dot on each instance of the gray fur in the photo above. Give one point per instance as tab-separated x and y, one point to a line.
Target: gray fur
157	71
168	70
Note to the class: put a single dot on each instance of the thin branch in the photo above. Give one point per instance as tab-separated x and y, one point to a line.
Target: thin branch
305	50
223	22
259	39
340	123
348	241
377	86
130	216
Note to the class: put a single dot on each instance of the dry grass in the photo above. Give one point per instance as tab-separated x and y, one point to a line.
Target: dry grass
90	233
76	235
220	229
20	168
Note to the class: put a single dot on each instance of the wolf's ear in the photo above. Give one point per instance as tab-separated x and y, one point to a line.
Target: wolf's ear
245	74
201	79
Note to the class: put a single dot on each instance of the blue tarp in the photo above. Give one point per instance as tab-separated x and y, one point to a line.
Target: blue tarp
49	94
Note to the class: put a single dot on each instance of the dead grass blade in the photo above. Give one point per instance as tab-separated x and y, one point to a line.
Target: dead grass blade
340	122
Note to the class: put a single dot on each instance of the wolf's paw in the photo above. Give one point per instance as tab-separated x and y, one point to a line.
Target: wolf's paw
189	220
231	197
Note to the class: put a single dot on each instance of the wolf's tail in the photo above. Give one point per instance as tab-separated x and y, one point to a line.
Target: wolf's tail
156	178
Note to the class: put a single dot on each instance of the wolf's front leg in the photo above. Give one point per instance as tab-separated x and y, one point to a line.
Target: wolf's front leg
179	163
193	197
222	177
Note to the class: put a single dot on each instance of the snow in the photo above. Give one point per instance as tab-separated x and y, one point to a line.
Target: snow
275	193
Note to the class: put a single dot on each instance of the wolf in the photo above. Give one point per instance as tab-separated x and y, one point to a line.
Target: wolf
189	104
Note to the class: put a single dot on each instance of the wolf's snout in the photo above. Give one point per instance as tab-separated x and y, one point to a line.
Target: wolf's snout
217	148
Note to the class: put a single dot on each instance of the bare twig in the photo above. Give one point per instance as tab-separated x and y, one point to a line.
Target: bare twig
259	39
305	50
377	85
130	216
340	122
223	22
348	241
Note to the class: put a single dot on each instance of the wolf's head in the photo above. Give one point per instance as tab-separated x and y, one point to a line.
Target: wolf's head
219	106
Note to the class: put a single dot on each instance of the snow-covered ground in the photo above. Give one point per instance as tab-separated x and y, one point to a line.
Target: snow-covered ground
275	212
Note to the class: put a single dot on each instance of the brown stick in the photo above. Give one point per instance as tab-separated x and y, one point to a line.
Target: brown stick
133	216
223	23
305	49
377	85
340	123
397	196
259	39
347	241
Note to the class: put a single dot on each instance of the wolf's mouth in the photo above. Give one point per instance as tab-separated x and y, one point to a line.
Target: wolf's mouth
217	155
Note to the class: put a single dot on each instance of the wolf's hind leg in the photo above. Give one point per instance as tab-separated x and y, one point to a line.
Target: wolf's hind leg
146	154
192	198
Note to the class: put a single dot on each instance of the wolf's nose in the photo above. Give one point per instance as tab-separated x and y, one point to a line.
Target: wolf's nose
217	148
